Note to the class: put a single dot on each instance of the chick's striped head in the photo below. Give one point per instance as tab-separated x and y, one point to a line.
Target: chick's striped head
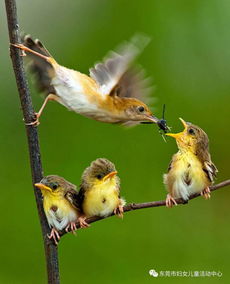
99	172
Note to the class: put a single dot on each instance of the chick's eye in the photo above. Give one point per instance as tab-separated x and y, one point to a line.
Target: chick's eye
141	109
99	176
54	186
191	131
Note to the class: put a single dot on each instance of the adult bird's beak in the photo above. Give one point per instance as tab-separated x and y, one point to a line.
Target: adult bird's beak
180	134
109	176
41	186
151	119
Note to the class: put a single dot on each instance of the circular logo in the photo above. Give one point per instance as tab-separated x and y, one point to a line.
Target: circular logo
153	273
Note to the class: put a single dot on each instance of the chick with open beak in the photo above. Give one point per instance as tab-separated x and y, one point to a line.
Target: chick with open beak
191	169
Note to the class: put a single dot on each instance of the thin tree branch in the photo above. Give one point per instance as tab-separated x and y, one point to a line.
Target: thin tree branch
136	206
51	250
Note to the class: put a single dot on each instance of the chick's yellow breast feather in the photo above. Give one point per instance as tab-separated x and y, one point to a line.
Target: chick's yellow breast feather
101	199
59	211
57	201
186	175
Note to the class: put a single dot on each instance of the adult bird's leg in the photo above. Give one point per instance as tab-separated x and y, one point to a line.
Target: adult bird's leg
50	97
25	48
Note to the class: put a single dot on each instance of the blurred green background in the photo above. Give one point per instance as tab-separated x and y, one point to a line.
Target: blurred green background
189	59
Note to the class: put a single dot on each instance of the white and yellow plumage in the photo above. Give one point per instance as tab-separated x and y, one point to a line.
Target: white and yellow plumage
99	193
112	93
59	204
102	198
191	169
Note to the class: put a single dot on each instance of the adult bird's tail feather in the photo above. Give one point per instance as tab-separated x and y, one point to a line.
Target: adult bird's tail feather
41	68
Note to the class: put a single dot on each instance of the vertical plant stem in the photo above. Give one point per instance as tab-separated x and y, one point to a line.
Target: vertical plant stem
51	250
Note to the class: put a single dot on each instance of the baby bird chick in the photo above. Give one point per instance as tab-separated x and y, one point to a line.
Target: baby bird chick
99	193
191	169
59	198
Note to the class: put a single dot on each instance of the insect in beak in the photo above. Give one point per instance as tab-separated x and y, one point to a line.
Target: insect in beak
162	123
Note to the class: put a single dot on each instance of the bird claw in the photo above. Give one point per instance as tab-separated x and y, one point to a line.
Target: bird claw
82	222
21	47
119	211
23	54
72	227
54	235
170	201
206	193
36	122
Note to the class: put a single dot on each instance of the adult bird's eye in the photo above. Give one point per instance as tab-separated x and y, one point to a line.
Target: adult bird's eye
141	109
98	176
191	131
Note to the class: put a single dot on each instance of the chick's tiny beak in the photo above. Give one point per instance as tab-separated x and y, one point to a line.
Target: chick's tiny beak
184	123
180	134
175	135
109	176
42	186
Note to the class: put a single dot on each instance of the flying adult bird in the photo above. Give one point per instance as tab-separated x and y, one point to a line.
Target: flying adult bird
99	193
112	93
59	204
191	169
